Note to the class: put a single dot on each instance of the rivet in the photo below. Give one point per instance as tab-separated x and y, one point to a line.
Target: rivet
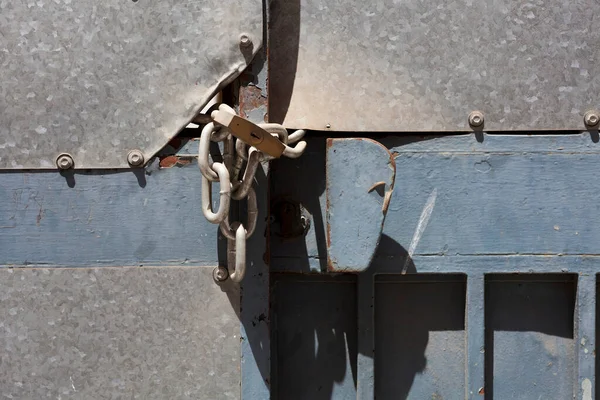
245	40
135	158
476	119
64	161
328	126
220	274
591	118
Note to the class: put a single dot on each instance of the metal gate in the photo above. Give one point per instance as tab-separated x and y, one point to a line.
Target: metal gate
436	240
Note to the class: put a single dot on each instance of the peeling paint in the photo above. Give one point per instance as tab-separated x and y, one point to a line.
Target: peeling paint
586	389
423	222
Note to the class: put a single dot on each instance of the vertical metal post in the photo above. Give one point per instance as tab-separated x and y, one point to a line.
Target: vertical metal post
366	341
475	329
585	323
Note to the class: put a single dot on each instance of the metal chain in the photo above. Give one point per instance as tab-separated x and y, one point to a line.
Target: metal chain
227	173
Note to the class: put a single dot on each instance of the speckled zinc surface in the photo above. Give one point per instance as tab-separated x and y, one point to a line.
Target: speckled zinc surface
98	79
118	333
425	65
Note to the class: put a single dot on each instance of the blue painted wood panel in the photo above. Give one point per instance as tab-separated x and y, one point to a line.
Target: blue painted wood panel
530	342
314	338
420	337
110	218
478	205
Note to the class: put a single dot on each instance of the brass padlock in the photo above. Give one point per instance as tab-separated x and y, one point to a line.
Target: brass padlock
249	132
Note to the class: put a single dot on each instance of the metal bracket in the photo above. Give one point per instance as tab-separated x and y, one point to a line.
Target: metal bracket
360	181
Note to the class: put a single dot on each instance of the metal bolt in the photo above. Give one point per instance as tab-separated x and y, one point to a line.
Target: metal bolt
65	161
328	126
476	119
591	118
245	40
220	274
135	158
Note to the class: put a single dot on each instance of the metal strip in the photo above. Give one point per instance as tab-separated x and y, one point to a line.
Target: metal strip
585	333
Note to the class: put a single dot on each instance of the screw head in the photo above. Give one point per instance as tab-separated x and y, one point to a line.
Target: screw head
220	274
245	40
64	161
591	118
476	119
135	158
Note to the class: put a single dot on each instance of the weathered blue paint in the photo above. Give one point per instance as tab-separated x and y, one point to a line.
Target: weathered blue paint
360	180
530	345
365	367
475	326
420	337
314	337
478	205
106	218
256	347
533	211
302	180
586	337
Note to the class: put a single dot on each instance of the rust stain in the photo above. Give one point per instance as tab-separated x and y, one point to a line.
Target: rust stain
168	161
251	98
174	161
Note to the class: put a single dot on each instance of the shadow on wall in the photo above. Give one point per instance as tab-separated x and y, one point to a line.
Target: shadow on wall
314	336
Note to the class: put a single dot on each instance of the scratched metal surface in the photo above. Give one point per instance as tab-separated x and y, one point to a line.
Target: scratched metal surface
135	333
424	66
98	79
484	206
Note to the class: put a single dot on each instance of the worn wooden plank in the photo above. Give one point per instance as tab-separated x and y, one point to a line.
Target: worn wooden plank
530	345
358	193
475	328
105	218
481	142
496	203
314	334
585	335
420	346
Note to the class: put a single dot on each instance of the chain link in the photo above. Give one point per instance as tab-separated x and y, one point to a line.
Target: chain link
235	156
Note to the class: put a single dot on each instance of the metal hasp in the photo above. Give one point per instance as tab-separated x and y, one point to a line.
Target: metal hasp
418	66
97	80
360	180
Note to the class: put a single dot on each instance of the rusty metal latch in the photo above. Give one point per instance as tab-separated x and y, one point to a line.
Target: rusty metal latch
255	143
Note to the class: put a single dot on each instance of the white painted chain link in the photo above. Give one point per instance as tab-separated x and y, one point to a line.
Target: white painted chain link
227	173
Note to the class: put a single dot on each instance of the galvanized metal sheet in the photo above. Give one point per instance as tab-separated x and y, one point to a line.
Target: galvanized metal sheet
113	333
412	65
98	79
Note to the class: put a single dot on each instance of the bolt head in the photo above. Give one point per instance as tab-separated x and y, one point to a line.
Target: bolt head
591	118
245	40
476	119
135	158
220	274
65	161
